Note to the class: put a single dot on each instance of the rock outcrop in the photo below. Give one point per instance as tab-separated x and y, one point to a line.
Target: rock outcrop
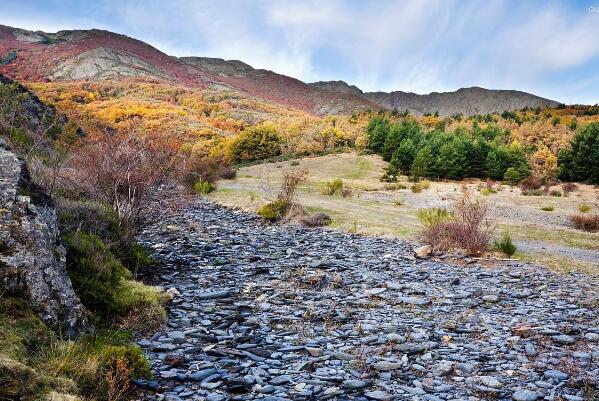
32	259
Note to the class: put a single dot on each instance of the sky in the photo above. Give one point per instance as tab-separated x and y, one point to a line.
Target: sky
549	48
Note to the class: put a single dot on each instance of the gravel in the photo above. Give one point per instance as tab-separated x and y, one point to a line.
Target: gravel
264	312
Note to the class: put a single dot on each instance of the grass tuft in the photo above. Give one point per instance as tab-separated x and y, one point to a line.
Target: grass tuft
505	245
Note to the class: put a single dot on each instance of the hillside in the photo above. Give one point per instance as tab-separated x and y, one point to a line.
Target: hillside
468	101
93	55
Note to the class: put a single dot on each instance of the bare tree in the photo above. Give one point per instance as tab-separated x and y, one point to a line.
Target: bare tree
121	169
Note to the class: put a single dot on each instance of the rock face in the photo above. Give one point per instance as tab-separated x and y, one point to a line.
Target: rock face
32	260
106	63
467	101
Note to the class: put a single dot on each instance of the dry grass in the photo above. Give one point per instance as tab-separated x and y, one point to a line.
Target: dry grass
586	222
372	209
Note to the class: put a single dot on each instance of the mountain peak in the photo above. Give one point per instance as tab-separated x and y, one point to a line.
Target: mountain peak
337	86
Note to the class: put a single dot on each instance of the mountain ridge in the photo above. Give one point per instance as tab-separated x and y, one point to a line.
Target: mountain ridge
95	54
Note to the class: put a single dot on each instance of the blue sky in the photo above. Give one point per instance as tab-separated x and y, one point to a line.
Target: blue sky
550	48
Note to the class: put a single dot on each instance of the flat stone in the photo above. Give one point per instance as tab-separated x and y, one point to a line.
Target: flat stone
525	395
386	366
354	384
556	375
378	395
563	339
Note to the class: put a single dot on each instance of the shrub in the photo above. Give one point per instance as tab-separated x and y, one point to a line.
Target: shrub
201	168
143	306
347	192
395	186
255	143
203	187
569	187
227	173
488	191
333	187
514	175
531	183
285	202
419	186
123	170
470	230
289	184
584	208
34	362
585	222
274	211
505	245
533	192
95	272
101	220
433	216
555	193
547	208
316	220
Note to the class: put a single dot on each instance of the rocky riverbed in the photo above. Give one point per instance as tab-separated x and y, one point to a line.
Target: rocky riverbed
285	313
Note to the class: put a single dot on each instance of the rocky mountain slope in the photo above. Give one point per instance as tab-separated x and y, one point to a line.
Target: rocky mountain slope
99	55
468	101
287	313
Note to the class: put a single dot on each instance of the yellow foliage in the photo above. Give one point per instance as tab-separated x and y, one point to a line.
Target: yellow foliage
544	162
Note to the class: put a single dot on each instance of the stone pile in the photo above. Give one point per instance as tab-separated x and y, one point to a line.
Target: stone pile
286	313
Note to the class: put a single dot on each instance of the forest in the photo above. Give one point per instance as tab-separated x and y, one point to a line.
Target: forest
484	149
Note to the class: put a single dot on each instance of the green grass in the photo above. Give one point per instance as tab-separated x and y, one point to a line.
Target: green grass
554	235
584	208
505	245
432	216
363	168
35	362
547	208
203	187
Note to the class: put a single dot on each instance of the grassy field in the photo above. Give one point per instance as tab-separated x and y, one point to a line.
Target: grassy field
542	236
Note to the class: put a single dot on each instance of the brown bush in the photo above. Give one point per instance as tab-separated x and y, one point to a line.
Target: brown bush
289	184
470	230
316	220
569	187
586	222
531	183
200	169
123	170
227	173
118	379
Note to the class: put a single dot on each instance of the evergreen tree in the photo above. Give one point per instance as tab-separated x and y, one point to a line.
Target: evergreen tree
422	164
404	156
581	163
376	132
